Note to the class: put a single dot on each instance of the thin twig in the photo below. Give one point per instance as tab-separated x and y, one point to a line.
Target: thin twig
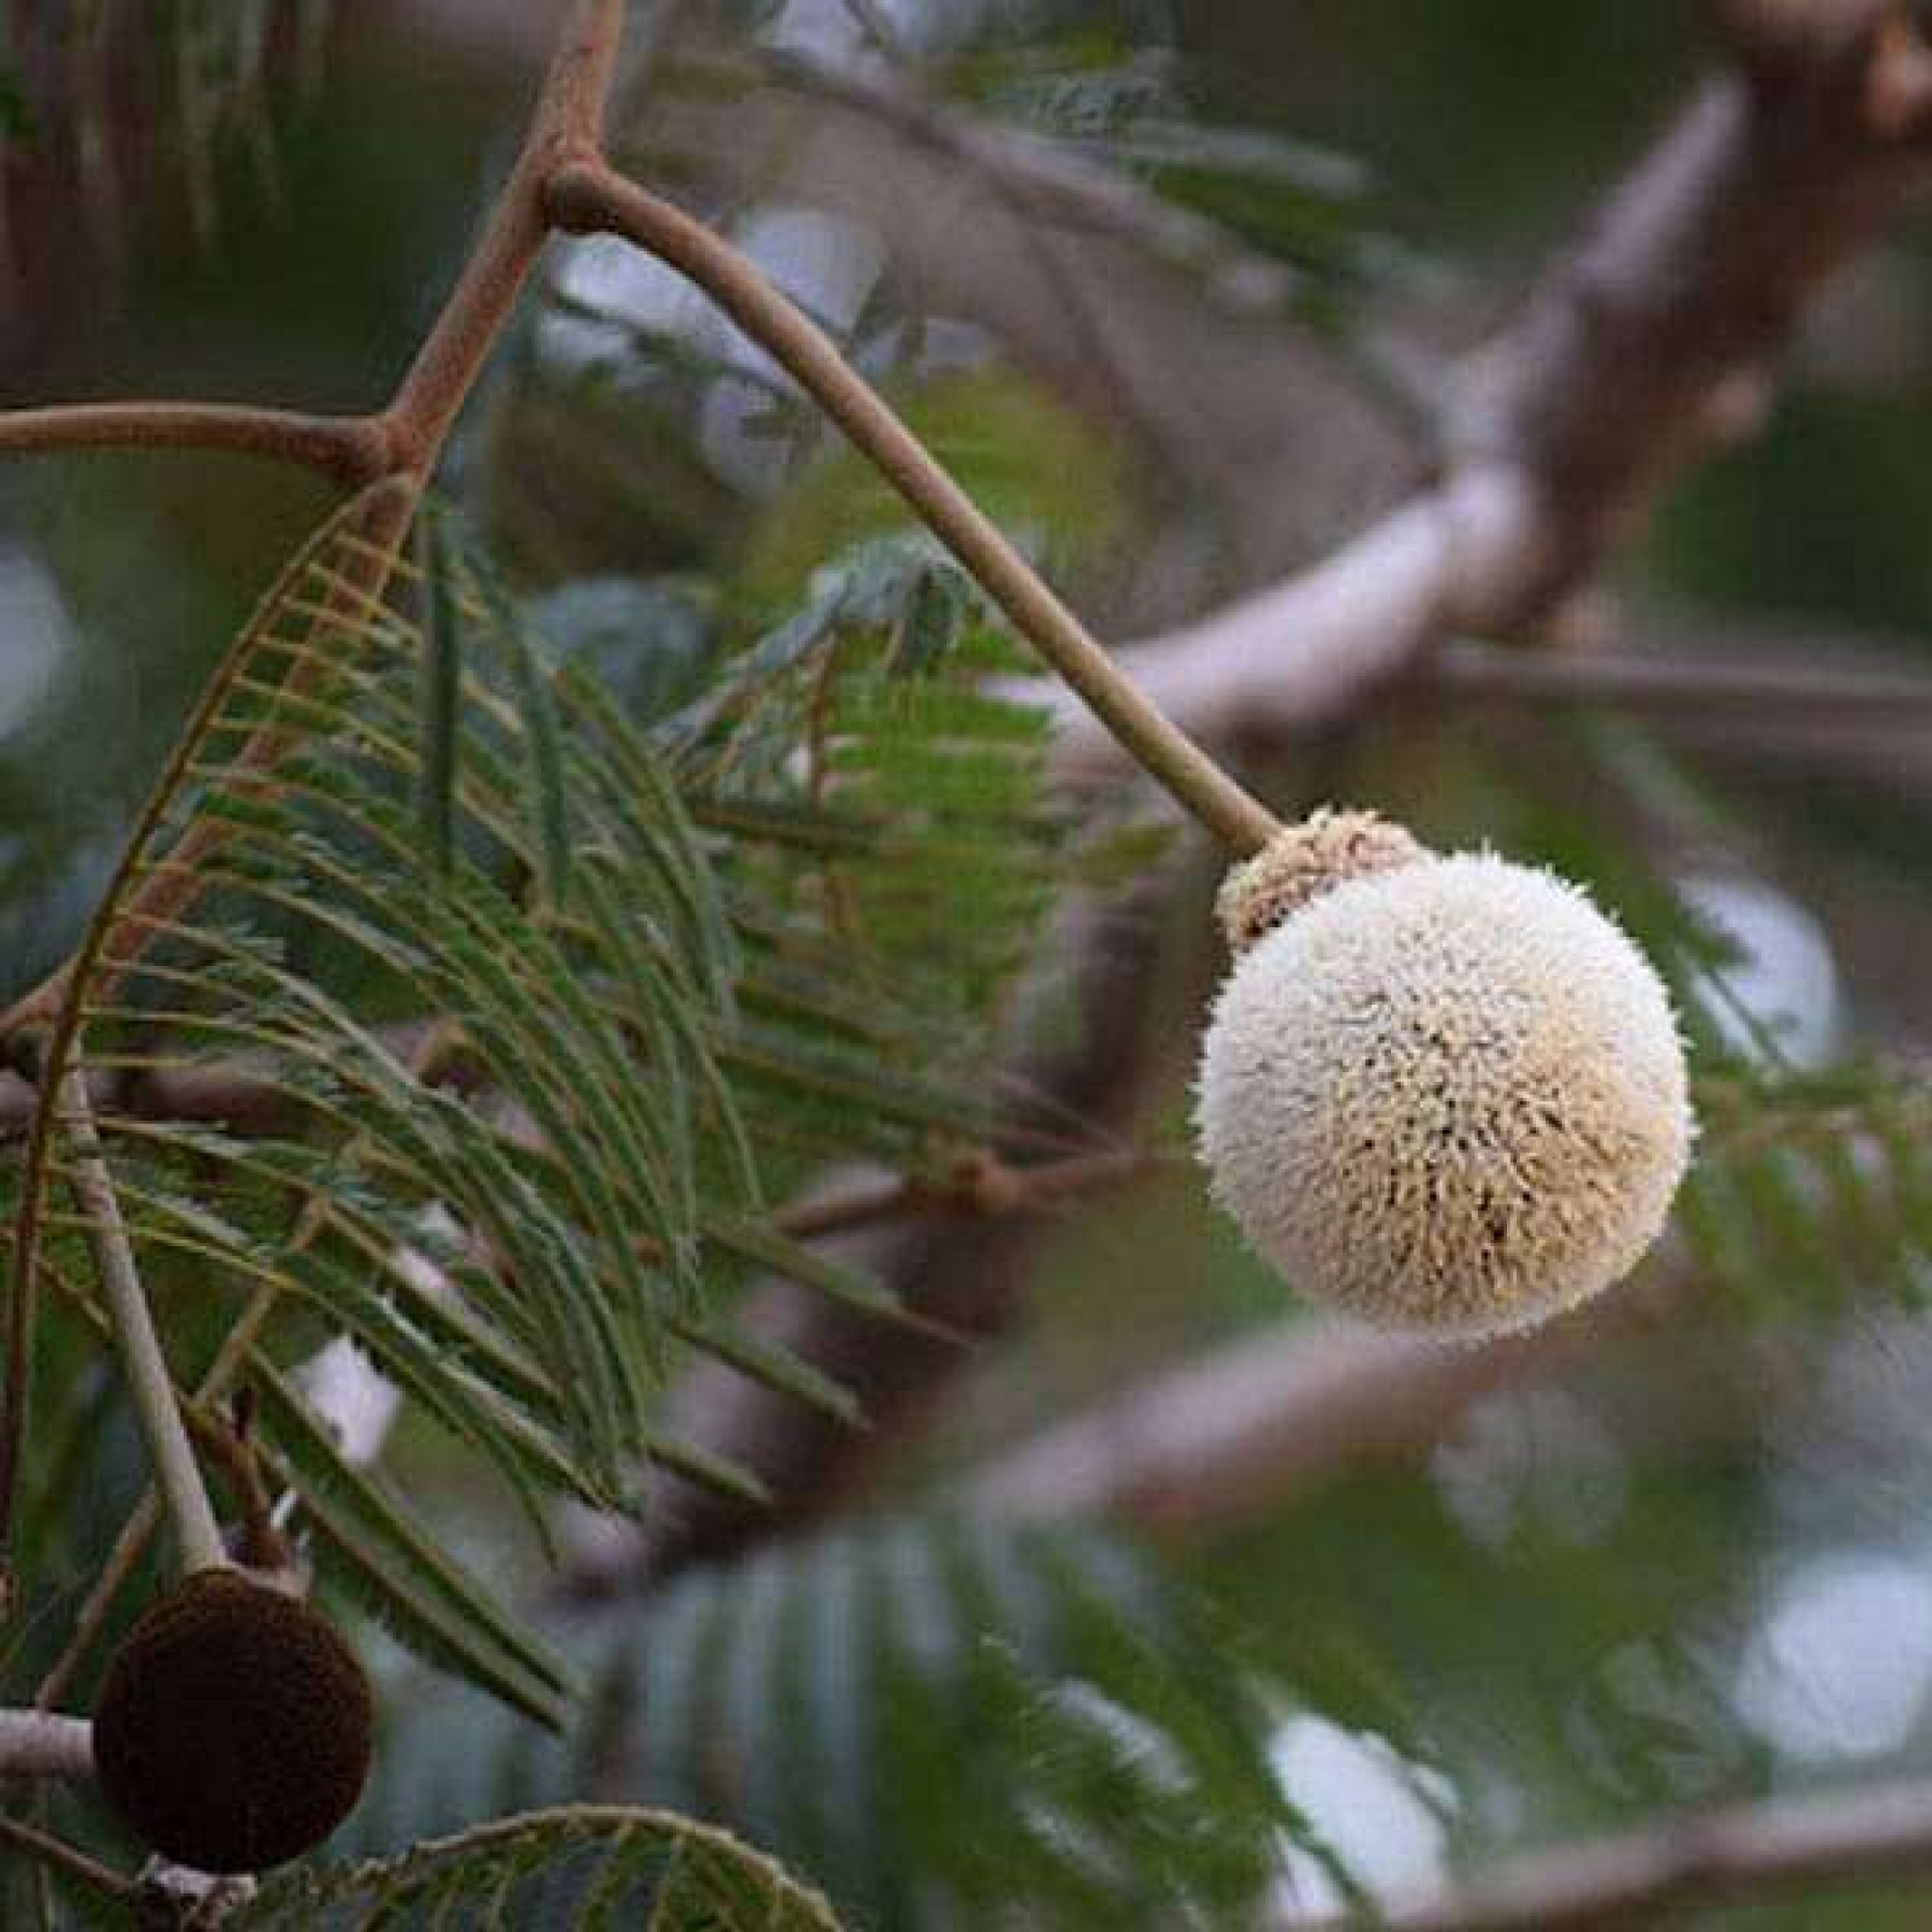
591	198
129	1547
198	1536
1236	1433
986	1187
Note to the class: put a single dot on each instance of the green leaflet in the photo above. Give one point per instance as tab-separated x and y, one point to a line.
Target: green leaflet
1814	1189
368	1545
938	1719
518	1309
688	965
439	703
583	1866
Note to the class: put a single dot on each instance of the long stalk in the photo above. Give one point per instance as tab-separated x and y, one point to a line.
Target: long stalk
198	1536
590	197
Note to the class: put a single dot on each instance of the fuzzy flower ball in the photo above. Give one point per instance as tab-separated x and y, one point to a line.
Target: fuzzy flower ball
1447	1097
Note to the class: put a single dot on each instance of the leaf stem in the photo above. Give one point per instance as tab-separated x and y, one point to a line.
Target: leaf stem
590	197
198	1536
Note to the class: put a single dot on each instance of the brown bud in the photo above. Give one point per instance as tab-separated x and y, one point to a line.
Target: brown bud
234	1729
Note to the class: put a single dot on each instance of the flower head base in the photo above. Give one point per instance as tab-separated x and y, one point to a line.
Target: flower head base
1305	861
1448	1097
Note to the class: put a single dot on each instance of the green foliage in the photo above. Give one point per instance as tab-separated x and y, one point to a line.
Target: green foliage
206	72
692	956
1028	460
712	914
936	1717
310	910
1812	1189
909	829
582	1867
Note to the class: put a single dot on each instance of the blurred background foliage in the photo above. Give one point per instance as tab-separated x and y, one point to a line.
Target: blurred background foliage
1693	1565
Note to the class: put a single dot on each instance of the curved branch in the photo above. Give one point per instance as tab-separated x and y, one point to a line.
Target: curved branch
351	450
591	198
566	126
567	123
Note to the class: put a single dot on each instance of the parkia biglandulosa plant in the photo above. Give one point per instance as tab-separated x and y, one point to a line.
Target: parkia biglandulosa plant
1442	1094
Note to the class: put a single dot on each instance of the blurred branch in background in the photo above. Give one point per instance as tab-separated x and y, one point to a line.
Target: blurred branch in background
1647	346
1736	1855
1241	1431
1052	186
1835	705
1853	694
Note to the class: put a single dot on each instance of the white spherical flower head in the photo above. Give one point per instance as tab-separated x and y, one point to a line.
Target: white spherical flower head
1448	1098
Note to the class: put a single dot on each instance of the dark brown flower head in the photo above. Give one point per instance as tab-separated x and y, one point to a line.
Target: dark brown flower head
233	1727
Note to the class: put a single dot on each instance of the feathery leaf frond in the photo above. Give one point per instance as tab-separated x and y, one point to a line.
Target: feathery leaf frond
580	1866
938	1719
535	1000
